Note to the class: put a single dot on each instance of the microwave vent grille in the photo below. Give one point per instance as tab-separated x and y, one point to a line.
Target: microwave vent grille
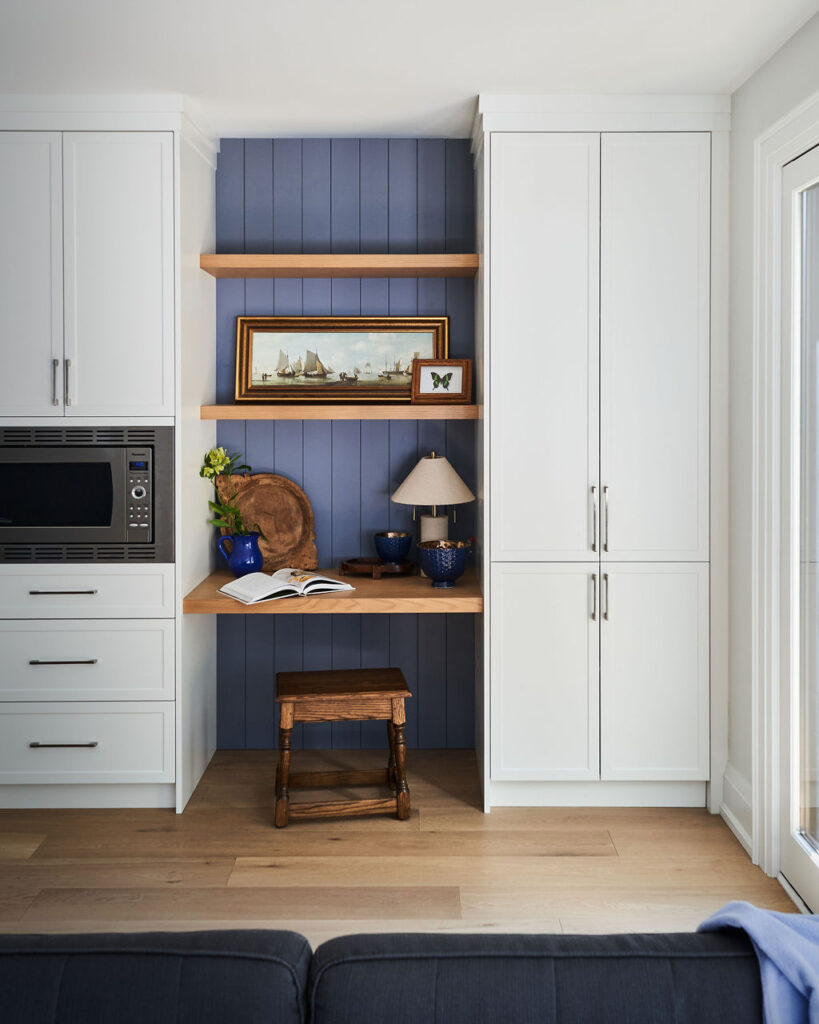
23	436
54	553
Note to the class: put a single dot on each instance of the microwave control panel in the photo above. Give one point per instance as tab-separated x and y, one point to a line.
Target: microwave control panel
139	499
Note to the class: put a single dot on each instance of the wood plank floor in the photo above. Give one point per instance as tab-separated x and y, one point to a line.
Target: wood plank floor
449	868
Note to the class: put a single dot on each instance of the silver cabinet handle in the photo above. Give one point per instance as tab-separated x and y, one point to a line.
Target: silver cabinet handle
594	597
54	365
79	661
606	596
594	518
62	746
40	593
605	518
67	391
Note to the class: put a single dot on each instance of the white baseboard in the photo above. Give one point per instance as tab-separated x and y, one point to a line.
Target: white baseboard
86	796
597	794
801	906
735	808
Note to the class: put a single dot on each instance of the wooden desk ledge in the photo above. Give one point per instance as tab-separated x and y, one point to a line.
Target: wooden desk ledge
412	595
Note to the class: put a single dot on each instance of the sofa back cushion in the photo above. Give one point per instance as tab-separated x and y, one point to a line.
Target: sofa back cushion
535	979
221	977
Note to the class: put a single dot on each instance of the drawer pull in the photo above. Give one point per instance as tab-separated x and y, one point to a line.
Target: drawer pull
79	661
42	746
37	593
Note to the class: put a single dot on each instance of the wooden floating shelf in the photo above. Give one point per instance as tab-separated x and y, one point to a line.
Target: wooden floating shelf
339	412
461	264
412	595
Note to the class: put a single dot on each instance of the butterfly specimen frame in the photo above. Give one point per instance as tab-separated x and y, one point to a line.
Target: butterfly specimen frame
445	381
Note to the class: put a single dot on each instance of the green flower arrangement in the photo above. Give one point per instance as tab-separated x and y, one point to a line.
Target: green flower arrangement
226	515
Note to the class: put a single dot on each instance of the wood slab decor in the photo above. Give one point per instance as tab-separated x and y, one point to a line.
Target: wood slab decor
283	513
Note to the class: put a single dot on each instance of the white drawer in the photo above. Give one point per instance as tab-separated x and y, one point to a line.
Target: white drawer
105	742
86	591
87	659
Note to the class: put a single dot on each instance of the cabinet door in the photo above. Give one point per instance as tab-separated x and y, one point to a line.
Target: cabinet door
544	345
119	273
31	285
654	672
545	677
654	341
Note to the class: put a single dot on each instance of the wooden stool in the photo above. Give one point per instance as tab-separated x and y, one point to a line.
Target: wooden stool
342	696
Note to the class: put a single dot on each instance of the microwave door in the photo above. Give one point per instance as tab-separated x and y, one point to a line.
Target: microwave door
62	495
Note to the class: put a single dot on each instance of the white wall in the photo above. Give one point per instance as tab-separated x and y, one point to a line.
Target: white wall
788	78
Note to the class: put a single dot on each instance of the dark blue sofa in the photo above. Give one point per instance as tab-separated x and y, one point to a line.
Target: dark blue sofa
249	977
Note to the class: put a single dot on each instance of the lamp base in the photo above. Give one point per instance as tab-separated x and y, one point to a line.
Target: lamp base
434	527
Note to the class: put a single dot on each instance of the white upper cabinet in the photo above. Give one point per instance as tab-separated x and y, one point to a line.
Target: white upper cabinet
654	672
119	278
654	344
545	200
545	650
31	295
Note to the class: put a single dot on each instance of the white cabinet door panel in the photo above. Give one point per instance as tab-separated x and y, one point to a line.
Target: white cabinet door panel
654	344
544	356
654	688
545	672
31	284
86	591
96	659
119	274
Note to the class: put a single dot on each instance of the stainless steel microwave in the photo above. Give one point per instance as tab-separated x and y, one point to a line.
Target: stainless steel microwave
95	494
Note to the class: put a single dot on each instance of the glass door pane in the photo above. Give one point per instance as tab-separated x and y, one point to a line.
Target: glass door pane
808	727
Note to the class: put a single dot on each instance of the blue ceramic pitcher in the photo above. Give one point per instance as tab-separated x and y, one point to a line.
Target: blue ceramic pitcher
244	555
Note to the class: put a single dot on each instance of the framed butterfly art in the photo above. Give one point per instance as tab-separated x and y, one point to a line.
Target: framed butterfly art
442	380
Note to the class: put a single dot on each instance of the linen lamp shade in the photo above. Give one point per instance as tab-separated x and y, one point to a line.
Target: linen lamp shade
433	482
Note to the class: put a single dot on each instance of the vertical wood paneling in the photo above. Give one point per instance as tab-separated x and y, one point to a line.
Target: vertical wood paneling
346	195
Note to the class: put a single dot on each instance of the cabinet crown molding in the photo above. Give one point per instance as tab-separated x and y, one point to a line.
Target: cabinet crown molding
556	113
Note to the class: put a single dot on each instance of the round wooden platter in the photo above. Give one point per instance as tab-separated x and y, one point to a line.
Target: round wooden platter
375	568
283	513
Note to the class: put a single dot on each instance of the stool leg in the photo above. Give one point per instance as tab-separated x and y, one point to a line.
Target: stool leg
391	760
402	799
283	772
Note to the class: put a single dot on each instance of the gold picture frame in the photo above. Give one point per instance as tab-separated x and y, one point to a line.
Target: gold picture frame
278	358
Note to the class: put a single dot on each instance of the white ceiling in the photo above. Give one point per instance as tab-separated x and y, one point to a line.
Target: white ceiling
376	67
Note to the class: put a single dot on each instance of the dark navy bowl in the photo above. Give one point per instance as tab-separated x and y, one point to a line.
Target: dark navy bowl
443	560
392	545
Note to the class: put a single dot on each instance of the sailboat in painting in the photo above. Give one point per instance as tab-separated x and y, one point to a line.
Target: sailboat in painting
283	367
314	368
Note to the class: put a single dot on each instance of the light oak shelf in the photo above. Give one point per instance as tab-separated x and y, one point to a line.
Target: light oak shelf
412	595
338	412
460	264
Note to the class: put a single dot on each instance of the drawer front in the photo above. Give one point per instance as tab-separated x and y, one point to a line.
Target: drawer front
75	743
87	659
87	592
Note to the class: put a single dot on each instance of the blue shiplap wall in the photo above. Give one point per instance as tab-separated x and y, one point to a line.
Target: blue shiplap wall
346	195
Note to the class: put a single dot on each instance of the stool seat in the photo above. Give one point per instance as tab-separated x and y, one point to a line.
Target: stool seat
342	695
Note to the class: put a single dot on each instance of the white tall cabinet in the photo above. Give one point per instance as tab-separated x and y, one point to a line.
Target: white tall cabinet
107	694
596	328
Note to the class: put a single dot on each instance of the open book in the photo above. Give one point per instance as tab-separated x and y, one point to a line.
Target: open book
258	586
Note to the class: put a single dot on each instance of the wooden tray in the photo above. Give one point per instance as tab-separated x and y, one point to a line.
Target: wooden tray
284	514
375	568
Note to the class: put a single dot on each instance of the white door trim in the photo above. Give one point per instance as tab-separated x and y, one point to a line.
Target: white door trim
787	139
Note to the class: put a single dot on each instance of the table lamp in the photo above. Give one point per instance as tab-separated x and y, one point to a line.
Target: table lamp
433	482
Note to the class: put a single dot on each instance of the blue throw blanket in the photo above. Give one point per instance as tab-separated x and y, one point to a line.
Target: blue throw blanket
787	946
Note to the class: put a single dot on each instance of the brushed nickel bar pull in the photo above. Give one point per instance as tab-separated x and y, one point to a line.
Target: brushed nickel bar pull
594	518
61	746
79	661
39	593
606	596
67	392
594	597
605	518
54	365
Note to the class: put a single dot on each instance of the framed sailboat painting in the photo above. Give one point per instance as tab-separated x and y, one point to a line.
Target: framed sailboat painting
334	358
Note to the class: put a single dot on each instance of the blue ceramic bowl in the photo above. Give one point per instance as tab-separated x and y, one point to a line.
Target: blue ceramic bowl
443	560
392	545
